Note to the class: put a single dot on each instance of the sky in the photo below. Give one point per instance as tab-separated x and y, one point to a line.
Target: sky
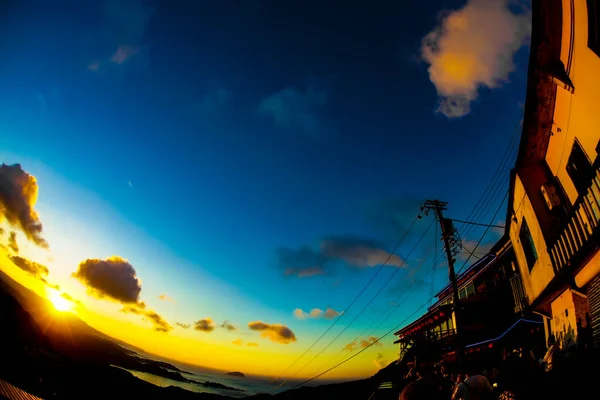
216	182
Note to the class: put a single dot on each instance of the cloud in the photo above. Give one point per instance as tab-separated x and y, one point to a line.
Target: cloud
394	215
252	344
371	340
380	362
315	313
472	48
121	37
68	297
274	332
469	246
12	242
31	267
113	278
18	195
296	110
165	297
158	322
238	342
228	326
215	100
181	325
351	346
330	313
358	252
204	325
348	250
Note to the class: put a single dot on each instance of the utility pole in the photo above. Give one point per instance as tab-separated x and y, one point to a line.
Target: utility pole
452	244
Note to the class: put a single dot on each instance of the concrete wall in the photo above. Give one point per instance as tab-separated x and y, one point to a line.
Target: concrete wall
542	272
576	115
567	309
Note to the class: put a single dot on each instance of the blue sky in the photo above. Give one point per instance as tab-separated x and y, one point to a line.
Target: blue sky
226	134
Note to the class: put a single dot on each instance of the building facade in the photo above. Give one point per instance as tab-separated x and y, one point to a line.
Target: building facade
554	206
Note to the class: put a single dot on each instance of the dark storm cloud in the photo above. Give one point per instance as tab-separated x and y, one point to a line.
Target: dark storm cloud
293	109
12	242
204	325
18	195
113	278
274	332
31	267
346	250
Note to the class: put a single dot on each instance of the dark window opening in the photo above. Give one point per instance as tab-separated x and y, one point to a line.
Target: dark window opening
593	9
580	169
528	245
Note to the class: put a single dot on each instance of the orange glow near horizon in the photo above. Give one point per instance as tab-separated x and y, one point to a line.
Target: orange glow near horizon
59	303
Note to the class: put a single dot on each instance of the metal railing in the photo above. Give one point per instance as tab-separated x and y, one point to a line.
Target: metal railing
582	224
516	283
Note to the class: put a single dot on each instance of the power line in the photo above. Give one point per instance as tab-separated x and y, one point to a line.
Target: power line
477	224
335	321
364	308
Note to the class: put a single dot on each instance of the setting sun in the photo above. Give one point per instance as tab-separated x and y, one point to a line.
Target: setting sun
60	303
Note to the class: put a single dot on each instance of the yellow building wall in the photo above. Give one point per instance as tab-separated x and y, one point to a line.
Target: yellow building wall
542	272
563	322
576	115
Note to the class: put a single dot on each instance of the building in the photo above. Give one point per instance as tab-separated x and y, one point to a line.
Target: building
554	205
492	310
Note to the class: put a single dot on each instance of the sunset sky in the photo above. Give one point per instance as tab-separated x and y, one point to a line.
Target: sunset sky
217	181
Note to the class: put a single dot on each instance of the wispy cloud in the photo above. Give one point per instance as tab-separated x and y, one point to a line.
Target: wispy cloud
351	251
380	362
316	313
362	343
228	326
182	325
215	100
31	267
472	48
123	32
18	196
204	325
298	110
12	242
165	297
159	324
274	332
113	278
238	342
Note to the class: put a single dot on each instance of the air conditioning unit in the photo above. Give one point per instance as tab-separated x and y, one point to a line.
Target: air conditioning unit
550	195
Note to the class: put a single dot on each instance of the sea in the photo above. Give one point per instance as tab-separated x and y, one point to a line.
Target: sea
249	384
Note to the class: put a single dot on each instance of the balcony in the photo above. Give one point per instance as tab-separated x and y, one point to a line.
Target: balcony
516	284
582	228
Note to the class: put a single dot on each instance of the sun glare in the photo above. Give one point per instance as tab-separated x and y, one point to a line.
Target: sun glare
60	303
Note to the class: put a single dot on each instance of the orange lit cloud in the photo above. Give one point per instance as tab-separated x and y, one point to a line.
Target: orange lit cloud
369	341
252	344
473	47
228	326
12	242
330	313
31	267
274	332
238	342
113	278
18	195
380	362
204	325
158	322
164	297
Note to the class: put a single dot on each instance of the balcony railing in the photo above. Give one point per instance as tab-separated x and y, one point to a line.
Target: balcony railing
516	283
583	225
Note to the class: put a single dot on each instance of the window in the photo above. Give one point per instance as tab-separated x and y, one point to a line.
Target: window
528	245
580	168
593	10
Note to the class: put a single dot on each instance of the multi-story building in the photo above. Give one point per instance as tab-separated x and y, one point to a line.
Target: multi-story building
554	206
491	318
